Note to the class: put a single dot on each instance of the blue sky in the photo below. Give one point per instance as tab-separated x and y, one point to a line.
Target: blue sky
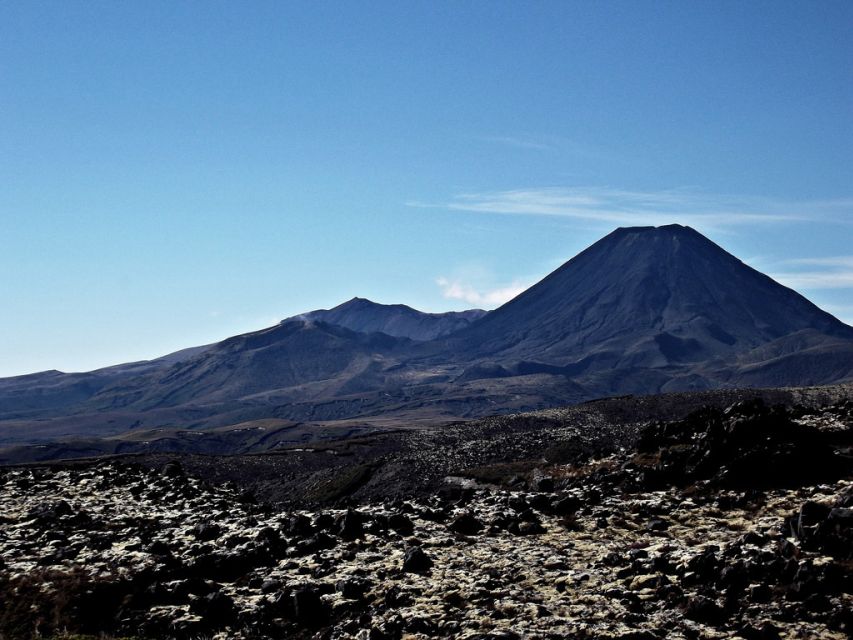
174	173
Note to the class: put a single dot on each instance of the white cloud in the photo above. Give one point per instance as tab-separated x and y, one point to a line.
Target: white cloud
627	207
459	290
520	143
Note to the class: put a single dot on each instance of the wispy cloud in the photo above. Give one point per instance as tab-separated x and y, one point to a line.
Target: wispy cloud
517	142
826	261
816	279
556	144
627	207
459	290
822	272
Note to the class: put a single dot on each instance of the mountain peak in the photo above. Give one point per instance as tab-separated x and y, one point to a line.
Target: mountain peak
398	320
661	231
356	301
664	228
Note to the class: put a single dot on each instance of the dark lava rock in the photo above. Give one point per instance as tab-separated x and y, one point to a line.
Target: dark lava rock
268	535
827	528
216	609
765	631
540	502
706	565
760	593
530	528
416	561
421	625
159	548
566	506
246	497
191	586
705	610
396	598
298	525
658	525
173	469
434	515
834	535
308	607
466	524
270	586
543	483
323	521
50	511
754	538
206	531
226	565
353	588
401	524
734	576
317	542
640	634
810	516
350	525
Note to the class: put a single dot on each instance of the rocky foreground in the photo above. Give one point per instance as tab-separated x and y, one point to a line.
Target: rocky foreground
735	523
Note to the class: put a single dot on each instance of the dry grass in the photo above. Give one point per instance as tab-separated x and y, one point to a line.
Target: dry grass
51	604
502	473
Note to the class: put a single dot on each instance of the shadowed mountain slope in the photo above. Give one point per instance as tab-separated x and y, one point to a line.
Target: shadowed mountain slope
317	357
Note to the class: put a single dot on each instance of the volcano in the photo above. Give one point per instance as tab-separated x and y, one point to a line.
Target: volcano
669	302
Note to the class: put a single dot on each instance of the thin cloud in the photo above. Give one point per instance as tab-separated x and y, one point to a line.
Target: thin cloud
459	290
633	207
826	272
519	143
827	261
816	279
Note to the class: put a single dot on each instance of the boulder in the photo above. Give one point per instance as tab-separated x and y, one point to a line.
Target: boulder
704	610
308	608
416	560
466	524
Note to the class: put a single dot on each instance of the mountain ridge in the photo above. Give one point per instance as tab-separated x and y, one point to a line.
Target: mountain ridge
643	310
